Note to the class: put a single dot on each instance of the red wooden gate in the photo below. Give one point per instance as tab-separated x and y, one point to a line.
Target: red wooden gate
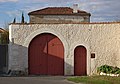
46	55
80	61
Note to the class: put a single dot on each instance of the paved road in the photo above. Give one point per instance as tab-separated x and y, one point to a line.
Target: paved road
35	80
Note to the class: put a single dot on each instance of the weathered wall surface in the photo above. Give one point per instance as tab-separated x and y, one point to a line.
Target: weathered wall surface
58	18
101	39
0	38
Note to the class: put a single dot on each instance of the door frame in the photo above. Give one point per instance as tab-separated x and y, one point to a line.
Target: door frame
73	46
80	60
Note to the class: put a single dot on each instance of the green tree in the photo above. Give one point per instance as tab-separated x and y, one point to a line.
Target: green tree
22	21
14	21
4	37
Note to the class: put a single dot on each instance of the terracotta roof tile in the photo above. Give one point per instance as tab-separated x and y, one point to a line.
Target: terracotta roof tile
57	11
2	30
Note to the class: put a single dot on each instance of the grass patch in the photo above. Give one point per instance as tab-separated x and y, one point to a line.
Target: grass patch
95	80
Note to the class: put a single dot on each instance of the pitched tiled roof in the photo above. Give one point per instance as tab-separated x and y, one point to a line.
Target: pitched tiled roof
2	30
57	11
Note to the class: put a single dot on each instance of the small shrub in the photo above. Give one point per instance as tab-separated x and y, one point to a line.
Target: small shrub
108	69
117	72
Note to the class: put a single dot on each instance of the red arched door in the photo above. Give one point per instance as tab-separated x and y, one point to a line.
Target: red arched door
80	61
46	55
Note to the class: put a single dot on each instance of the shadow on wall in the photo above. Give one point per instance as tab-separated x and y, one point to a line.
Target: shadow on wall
45	57
3	58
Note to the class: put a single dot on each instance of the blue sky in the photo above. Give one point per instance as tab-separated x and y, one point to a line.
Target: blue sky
101	10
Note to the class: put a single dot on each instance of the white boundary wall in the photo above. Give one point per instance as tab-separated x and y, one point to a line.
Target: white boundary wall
103	39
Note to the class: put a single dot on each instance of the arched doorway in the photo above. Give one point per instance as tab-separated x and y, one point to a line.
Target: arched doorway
46	55
80	57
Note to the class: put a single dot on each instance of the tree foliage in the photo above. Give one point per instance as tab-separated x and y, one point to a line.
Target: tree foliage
14	21
22	21
4	37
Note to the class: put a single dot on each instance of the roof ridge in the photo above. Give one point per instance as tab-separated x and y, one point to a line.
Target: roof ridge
57	10
1	29
59	7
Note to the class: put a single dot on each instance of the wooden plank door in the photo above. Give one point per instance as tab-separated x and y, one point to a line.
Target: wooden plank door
46	55
38	55
80	61
55	57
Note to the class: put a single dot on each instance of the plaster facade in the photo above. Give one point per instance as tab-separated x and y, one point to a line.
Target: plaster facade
103	39
58	18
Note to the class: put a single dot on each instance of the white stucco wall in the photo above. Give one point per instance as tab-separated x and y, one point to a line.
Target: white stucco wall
103	39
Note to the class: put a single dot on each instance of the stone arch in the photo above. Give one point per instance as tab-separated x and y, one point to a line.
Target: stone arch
51	31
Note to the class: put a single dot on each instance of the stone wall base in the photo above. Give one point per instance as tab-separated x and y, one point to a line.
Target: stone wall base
17	73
